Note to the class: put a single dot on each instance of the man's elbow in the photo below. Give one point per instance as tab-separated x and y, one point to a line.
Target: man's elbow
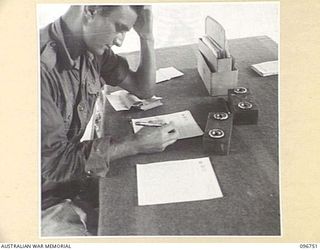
146	93
145	82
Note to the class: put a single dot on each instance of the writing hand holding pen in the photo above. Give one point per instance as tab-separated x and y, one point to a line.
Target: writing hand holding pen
155	138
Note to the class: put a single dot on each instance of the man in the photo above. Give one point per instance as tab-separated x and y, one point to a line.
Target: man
76	60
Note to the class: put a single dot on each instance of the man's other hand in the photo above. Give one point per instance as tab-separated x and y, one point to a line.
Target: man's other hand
143	25
155	139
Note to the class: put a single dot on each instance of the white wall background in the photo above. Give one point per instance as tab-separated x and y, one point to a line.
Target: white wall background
178	24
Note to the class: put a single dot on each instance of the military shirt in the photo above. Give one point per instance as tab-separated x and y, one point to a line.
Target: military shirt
69	89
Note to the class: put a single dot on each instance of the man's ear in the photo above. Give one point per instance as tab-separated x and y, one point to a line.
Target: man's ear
89	12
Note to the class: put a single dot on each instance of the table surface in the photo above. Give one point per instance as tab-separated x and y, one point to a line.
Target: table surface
248	176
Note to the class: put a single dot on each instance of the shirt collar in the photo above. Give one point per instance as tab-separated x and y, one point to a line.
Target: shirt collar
65	61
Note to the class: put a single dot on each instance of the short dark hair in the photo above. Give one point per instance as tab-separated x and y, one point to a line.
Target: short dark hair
105	10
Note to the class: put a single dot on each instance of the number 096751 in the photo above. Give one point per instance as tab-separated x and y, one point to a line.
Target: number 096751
308	246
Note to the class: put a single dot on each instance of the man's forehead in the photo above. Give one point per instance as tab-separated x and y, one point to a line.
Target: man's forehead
124	15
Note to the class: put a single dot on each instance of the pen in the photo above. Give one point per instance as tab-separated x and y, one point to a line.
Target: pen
150	124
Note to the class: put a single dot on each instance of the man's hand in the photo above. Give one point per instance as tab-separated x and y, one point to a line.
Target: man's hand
143	25
150	140
147	140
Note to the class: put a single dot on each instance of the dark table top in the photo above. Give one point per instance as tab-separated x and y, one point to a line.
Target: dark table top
248	176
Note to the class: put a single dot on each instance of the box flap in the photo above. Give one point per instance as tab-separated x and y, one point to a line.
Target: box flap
215	31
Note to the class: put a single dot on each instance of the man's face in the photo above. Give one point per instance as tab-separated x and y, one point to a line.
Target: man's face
102	32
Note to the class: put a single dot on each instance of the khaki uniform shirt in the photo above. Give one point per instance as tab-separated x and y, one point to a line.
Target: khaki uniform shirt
69	89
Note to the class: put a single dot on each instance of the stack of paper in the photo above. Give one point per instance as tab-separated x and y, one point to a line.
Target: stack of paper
165	74
123	100
183	122
177	181
213	46
266	68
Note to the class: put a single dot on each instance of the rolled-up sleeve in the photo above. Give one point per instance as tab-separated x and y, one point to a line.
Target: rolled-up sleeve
61	159
113	68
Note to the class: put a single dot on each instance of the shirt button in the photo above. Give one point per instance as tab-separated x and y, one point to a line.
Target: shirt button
53	44
98	119
89	174
81	107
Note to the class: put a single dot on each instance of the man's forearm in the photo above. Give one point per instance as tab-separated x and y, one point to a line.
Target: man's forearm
121	148
146	140
146	73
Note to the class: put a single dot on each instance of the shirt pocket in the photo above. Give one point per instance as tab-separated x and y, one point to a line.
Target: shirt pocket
93	86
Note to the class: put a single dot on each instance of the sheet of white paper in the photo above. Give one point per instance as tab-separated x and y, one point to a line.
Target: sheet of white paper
266	68
116	102
88	133
183	121
171	72
177	181
164	74
161	77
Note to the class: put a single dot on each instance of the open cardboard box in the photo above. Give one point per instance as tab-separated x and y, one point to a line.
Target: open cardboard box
217	83
217	74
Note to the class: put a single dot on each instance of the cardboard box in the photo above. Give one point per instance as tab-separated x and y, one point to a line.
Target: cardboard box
217	70
215	64
217	83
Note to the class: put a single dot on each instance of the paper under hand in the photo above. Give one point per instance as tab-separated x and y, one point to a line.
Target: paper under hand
183	121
